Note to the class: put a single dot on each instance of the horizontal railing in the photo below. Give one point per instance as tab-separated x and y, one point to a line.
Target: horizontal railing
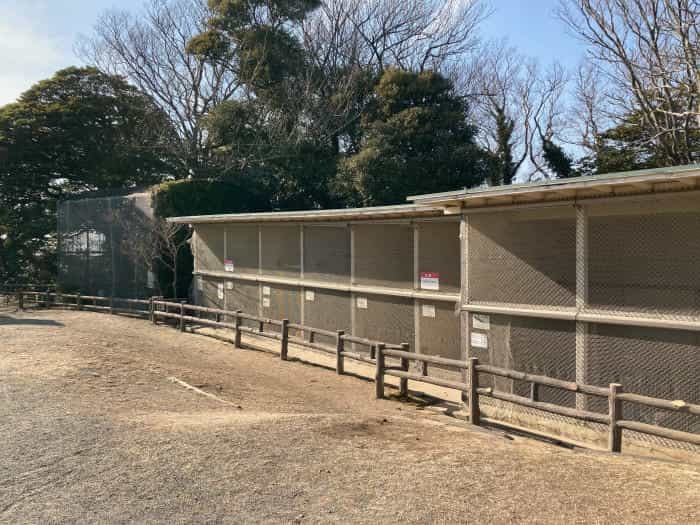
377	352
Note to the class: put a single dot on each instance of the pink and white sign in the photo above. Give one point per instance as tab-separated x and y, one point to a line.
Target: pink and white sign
228	265
429	281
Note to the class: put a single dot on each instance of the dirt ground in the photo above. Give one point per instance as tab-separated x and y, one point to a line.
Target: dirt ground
98	427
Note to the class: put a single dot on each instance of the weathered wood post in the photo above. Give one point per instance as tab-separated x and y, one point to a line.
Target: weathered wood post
261	327
534	392
403	382
111	305
473	373
20	300
339	348
379	371
182	316
423	368
284	347
151	316
237	325
77	302
615	413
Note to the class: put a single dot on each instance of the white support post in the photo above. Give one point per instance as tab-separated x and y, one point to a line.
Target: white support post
581	300
416	286
464	293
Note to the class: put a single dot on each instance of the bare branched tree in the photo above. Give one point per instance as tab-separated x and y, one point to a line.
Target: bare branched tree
648	52
149	49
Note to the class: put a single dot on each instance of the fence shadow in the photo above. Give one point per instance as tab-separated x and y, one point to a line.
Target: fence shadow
8	320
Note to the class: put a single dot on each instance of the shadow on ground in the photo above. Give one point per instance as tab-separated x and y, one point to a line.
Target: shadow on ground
5	319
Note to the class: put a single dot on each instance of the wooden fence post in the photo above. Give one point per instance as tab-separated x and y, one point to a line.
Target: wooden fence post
339	348
615	413
285	339
182	316
111	305
379	371
534	392
403	382
237	324
261	327
77	302
474	413
20	300
151	316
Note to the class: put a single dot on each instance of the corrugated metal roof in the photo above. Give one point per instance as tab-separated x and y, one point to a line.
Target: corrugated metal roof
622	183
400	211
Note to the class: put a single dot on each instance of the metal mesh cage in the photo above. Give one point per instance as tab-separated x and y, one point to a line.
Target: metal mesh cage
281	302
645	260
649	361
210	247
438	329
281	250
384	255
327	253
523	257
386	319
242	247
245	296
438	253
328	310
539	346
211	292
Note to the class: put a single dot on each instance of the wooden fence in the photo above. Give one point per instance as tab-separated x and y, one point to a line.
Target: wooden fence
182	313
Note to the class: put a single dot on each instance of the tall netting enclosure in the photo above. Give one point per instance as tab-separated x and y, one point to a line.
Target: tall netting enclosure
94	251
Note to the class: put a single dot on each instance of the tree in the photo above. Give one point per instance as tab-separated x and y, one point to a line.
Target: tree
149	49
648	53
79	131
416	140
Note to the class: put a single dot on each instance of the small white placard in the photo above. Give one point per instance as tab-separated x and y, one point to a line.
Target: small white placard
228	265
310	295
428	310
362	303
200	284
266	302
481	322
479	340
220	290
229	285
429	281
266	290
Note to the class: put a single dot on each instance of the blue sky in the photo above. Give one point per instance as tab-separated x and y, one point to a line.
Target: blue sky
37	36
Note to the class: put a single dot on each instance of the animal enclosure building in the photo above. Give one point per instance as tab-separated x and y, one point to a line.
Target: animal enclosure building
594	280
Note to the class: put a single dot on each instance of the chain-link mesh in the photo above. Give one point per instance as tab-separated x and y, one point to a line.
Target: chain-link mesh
523	257
242	247
327	253
387	319
210	247
328	310
281	250
438	253
95	252
384	255
438	328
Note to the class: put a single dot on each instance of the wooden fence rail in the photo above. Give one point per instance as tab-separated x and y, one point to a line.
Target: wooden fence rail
157	308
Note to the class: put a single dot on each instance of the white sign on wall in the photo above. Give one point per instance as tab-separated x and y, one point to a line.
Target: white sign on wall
266	302
310	295
228	265
229	285
220	291
361	303
266	290
429	281
479	340
428	310
481	322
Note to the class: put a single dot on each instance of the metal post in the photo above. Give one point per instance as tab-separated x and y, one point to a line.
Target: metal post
285	339
339	348
473	373
403	382
237	324
615	413
379	372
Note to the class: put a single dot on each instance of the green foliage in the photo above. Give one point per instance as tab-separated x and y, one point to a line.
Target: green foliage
80	130
560	164
416	140
504	166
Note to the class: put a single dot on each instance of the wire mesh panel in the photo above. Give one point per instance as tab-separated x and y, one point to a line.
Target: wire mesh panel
243	295
438	253
281	302
242	247
645	258
328	310
439	329
281	250
384	255
386	319
523	257
327	253
210	247
539	346
211	292
649	361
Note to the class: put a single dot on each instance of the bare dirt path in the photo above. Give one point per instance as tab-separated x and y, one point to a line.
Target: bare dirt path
93	430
